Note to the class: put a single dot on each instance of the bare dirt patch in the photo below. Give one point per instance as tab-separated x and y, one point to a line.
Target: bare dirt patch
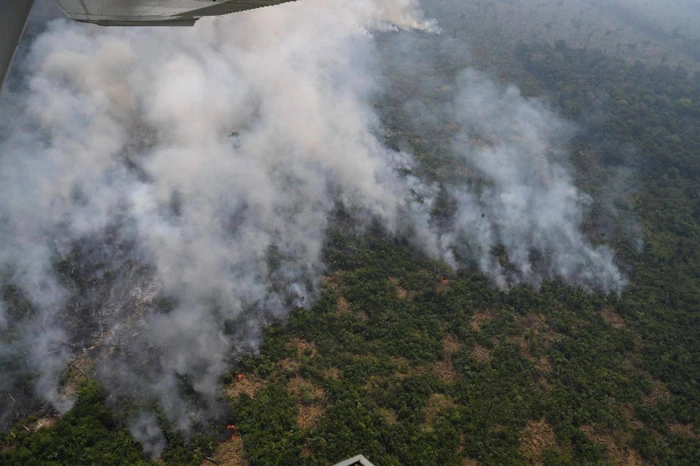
77	371
388	415
70	387
659	393
332	373
543	364
445	371
333	282
534	439
612	317
343	307
481	354
443	285
534	328
683	430
617	453
627	411
302	347
228	453
328	282
375	383
450	345
480	318
306	451
462	443
520	341
302	389
244	383
290	365
309	416
402	364
310	400
436	405
43	423
401	292
535	322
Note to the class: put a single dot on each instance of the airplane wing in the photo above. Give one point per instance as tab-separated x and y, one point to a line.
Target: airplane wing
14	13
155	12
13	16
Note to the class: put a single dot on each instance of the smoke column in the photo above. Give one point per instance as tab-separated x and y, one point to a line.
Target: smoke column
166	192
528	199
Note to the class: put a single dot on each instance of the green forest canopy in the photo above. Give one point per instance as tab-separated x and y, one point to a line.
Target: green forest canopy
407	362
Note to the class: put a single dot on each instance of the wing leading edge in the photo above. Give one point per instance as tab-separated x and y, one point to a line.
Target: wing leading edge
14	13
155	12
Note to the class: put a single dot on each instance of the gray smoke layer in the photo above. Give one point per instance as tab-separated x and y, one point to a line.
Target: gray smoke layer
167	192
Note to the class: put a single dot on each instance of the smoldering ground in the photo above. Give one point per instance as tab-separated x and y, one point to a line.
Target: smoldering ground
166	193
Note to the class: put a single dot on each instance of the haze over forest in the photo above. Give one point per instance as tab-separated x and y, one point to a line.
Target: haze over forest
446	232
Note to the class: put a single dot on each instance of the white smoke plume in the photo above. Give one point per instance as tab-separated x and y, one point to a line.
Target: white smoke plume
182	180
527	201
144	426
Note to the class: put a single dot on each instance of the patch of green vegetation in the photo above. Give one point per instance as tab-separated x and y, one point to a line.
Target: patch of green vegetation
88	434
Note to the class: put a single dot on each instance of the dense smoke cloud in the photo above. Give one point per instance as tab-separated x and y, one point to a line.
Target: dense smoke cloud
182	182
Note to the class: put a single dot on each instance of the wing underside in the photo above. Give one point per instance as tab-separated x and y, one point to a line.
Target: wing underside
155	12
13	16
14	13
